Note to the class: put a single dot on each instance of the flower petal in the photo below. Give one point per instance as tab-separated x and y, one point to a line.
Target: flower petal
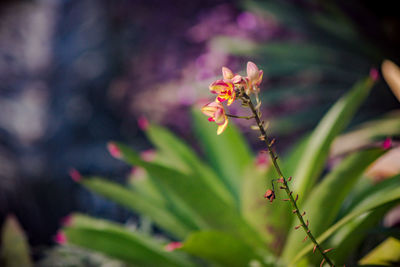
252	71
236	79
220	85
232	98
222	127
227	73
260	76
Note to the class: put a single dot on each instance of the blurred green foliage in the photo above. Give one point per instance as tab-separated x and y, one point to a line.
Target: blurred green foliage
14	247
216	208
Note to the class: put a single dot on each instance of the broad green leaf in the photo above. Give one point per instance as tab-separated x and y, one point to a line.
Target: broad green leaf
181	154
366	133
14	247
346	240
380	196
291	160
140	182
163	178
369	190
386	254
221	248
324	202
228	153
115	241
335	121
255	208
204	206
157	212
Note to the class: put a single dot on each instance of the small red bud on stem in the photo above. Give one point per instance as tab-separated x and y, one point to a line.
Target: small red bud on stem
270	195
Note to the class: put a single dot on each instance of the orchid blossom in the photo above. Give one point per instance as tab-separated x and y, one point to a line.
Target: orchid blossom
216	112
253	79
225	90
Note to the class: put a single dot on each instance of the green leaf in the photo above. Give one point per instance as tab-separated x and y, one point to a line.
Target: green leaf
384	193
157	212
140	183
204	207
228	153
181	154
115	241
220	248
14	249
386	254
366	133
255	208
346	240
335	121
324	202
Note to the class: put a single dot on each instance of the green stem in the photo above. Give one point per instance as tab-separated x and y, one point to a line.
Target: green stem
285	186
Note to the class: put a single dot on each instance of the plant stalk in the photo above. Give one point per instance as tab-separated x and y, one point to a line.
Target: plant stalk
285	186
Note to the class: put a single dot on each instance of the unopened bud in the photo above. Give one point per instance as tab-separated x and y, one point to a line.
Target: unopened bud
387	144
114	150
75	175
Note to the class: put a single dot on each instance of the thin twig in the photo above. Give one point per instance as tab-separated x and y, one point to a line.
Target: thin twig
247	101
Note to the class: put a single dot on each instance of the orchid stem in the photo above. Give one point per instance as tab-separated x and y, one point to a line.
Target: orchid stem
247	100
240	117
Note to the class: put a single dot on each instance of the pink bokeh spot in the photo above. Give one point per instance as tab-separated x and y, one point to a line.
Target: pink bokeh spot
262	160
75	175
172	246
66	221
137	171
114	150
387	144
60	238
148	155
143	123
374	74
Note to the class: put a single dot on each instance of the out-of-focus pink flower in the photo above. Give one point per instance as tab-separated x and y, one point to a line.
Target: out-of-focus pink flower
66	221
60	238
148	155
262	160
225	90
114	150
172	246
143	123
75	175
374	74
387	144
216	112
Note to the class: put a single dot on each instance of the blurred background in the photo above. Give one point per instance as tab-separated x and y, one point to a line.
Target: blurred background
76	74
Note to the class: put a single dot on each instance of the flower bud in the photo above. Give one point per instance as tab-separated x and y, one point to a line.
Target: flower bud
270	195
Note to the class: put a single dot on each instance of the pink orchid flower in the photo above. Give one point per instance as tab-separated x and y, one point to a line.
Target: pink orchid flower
216	112
225	90
254	78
